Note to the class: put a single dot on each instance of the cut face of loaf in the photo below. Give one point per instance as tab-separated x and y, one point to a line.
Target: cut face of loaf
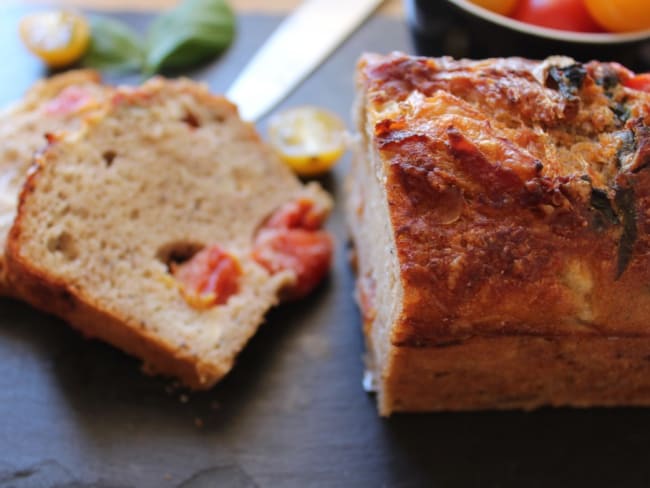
500	213
52	105
167	174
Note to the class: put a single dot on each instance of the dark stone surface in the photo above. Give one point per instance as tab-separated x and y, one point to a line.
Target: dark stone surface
76	413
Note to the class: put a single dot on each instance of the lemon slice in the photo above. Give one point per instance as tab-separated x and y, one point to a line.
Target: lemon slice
308	139
57	37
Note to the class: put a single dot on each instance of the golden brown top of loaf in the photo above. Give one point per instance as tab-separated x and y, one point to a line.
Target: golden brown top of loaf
518	194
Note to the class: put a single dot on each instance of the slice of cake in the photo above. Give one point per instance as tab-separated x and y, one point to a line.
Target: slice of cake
500	211
165	227
52	105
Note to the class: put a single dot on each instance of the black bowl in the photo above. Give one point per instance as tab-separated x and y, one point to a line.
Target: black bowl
460	28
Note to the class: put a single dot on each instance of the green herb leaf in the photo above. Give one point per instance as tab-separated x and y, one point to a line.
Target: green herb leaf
192	33
605	214
113	46
624	200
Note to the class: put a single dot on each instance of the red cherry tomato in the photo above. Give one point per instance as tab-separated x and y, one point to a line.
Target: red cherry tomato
568	15
639	82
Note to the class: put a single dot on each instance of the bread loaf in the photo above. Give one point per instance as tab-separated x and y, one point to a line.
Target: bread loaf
500	211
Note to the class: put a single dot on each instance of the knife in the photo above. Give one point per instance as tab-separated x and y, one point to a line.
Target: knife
301	42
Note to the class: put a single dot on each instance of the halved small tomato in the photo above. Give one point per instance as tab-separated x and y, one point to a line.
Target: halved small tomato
59	38
309	139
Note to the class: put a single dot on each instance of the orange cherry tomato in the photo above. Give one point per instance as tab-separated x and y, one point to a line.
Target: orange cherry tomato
620	15
310	140
57	37
639	82
209	278
503	7
568	15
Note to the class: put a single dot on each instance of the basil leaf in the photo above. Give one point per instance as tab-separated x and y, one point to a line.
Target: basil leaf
192	33
113	46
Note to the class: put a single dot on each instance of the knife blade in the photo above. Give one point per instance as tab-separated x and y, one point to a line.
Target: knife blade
301	42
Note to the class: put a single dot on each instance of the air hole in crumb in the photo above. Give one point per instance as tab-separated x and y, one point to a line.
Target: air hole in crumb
109	156
191	120
135	214
63	243
177	252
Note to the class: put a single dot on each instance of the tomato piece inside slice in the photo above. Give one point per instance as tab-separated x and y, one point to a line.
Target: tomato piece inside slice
305	252
291	239
297	214
209	278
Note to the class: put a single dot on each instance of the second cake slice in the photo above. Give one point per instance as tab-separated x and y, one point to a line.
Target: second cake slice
166	228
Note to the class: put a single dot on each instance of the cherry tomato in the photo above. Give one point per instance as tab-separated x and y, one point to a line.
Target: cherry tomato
209	278
503	7
620	15
639	82
291	239
58	37
308	139
568	15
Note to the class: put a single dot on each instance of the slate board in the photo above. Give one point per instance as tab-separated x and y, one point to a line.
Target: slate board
292	413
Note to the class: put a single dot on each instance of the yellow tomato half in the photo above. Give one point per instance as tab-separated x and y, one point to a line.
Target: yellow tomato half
620	15
59	38
309	139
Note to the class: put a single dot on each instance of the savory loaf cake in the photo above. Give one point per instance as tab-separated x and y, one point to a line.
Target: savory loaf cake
165	227
51	105
500	211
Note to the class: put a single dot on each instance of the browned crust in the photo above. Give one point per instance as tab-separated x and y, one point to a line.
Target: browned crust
488	236
518	372
525	275
5	289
